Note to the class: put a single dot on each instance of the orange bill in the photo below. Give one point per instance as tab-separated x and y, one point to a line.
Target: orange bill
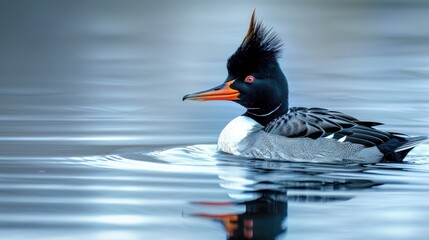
221	92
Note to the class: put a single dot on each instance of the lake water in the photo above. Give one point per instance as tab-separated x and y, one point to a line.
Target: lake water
96	143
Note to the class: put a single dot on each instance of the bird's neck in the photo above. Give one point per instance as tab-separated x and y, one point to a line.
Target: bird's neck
277	104
266	115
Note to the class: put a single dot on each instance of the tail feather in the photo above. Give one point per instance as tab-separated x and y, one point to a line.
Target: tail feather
411	143
397	148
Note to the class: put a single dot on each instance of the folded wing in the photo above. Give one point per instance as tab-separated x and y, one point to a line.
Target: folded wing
318	122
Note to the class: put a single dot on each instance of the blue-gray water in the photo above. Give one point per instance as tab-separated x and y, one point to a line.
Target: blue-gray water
95	142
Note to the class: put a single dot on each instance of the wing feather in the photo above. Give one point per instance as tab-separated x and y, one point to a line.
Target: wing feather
319	122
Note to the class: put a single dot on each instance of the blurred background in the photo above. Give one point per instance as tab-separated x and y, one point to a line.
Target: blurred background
88	71
85	72
88	88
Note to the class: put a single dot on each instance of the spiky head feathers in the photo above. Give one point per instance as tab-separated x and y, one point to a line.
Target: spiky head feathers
260	47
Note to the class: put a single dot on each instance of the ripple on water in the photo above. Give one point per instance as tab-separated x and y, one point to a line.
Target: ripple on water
144	189
192	159
205	158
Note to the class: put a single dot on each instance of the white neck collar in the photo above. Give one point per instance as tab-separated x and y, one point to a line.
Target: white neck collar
267	114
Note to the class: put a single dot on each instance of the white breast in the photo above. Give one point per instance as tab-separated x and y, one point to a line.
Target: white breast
234	133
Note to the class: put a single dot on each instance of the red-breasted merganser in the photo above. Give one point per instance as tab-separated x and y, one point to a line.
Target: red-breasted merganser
269	129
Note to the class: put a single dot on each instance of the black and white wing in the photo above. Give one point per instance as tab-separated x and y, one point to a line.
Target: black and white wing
318	122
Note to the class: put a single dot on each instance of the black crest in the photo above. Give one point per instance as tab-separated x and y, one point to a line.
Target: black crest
260	47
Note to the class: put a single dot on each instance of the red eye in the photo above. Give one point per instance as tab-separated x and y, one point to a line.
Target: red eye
249	79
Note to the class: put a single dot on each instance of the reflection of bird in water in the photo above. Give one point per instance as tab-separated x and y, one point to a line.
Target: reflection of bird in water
270	129
265	215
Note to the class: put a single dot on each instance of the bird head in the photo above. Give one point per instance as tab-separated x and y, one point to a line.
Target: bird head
254	79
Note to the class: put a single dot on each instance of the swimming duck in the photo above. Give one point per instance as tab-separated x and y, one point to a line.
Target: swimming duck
269	129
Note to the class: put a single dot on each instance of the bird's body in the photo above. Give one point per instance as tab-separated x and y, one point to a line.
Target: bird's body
271	130
293	137
262	145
